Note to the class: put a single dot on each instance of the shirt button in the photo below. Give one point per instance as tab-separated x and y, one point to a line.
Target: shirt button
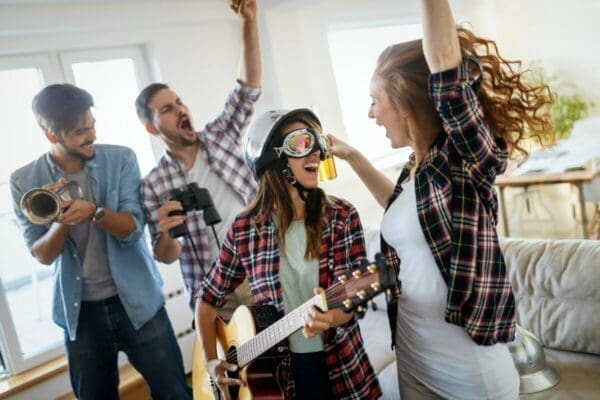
76	304
77	278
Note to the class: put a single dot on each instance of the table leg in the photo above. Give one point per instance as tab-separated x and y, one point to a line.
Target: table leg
503	211
584	220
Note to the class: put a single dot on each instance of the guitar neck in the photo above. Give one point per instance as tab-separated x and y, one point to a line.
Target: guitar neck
277	332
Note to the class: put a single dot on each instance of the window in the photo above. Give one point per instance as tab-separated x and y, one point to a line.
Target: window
354	54
116	120
28	336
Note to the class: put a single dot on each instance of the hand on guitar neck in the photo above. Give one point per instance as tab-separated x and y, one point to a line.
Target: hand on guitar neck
316	321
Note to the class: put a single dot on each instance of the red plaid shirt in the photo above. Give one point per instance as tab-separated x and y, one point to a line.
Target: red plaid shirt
458	209
249	253
222	140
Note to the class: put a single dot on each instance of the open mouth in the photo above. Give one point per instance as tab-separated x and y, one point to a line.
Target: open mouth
312	167
185	123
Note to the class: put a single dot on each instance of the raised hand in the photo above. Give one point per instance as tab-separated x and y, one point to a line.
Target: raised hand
339	148
246	9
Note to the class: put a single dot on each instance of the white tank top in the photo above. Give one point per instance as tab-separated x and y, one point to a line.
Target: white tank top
440	355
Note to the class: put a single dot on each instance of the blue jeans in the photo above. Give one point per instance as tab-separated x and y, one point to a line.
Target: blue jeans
104	329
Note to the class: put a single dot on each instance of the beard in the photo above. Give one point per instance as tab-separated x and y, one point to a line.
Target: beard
76	154
186	142
177	139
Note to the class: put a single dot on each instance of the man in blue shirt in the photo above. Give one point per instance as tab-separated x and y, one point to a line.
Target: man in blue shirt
107	292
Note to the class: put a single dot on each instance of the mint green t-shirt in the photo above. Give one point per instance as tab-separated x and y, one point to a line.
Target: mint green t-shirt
298	279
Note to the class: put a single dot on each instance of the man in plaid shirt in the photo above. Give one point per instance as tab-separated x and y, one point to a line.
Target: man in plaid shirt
210	157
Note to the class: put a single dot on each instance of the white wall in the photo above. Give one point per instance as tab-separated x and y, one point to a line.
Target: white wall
562	35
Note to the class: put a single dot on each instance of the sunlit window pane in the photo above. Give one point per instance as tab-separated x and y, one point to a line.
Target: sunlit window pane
27	284
113	84
354	54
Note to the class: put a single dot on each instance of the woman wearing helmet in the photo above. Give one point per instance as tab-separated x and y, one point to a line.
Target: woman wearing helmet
290	241
461	108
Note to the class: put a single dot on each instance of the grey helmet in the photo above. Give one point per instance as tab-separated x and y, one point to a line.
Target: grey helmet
259	145
529	358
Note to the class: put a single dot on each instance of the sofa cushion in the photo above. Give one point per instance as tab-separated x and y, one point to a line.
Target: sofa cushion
556	285
388	380
376	336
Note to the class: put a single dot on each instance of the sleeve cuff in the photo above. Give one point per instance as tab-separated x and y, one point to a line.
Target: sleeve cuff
247	91
444	83
204	294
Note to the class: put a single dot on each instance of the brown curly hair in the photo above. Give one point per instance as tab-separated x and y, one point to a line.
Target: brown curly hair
514	107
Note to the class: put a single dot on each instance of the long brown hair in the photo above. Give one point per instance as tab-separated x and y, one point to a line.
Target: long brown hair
514	107
273	198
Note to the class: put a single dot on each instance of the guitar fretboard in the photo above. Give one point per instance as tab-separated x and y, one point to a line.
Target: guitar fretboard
276	332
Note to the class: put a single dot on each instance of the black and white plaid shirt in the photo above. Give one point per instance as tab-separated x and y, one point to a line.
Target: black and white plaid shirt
222	140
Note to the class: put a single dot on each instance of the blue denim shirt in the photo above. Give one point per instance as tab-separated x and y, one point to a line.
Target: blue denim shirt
115	181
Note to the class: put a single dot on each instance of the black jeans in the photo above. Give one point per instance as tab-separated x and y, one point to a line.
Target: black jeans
103	330
311	378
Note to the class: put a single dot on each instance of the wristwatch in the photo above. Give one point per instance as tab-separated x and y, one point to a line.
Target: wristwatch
98	215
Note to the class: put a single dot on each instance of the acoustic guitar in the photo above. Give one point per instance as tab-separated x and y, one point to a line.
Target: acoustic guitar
254	338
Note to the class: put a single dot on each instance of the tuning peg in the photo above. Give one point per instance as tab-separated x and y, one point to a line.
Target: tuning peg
388	296
342	278
357	274
374	305
362	294
376	286
348	303
380	259
372	268
360	312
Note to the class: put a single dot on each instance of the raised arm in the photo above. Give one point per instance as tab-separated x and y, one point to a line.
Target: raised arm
440	40
250	61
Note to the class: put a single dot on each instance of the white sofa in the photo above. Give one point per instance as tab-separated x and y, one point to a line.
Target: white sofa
557	288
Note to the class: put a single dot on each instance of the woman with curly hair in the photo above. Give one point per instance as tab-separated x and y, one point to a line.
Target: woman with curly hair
462	109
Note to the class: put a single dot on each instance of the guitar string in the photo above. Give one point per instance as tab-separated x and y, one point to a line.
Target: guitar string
332	294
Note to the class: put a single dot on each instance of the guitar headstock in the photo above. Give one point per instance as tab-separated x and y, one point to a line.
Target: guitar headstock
352	292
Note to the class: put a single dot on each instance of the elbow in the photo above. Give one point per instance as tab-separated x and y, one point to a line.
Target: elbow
165	259
447	58
41	256
44	259
130	235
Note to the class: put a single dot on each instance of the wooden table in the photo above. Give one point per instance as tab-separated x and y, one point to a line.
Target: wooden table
576	178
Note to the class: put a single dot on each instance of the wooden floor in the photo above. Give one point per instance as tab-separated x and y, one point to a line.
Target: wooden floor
132	386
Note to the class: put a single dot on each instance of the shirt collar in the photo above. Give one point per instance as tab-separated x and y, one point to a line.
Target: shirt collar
178	165
89	165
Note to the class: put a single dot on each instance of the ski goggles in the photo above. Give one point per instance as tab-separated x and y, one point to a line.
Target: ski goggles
302	142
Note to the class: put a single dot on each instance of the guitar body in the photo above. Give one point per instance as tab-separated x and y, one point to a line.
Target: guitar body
261	374
202	387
